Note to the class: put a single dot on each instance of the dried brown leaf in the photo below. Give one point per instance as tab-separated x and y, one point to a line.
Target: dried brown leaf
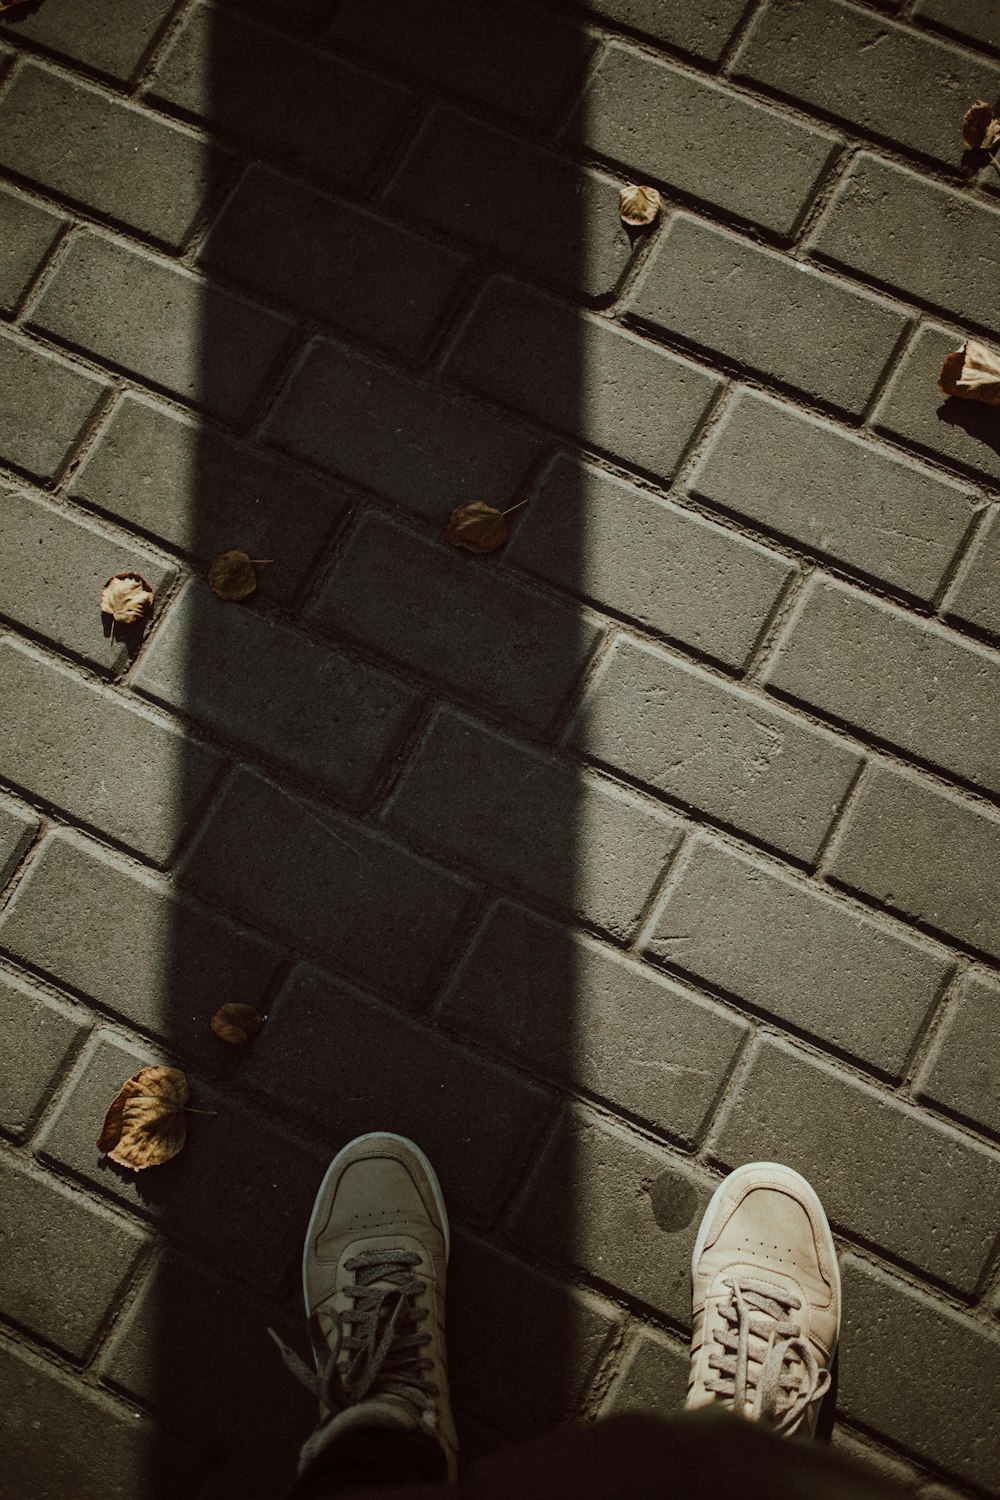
973	373
477	527
237	1023
232	576
145	1125
127	597
10	4
639	206
980	127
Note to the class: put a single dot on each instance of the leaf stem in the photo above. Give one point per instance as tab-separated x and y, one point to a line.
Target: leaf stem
524	502
189	1111
994	163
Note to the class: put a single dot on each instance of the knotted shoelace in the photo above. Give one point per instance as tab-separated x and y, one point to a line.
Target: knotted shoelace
779	1385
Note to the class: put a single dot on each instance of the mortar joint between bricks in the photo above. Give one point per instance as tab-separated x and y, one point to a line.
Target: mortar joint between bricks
960	562
158	45
940	1007
738	35
840	819
777	626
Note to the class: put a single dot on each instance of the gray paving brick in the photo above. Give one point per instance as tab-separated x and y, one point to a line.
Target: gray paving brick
27	234
203	494
339	264
518	58
46	1033
879	78
132	775
583	376
620	1209
976	600
569	840
836	494
425	450
514	650
18	826
55	568
543	212
59	1297
948	265
300	106
304	706
716	748
888	1330
914	411
399	1081
652	1376
934	857
149	318
60	1438
327	885
240	1193
760	310
791	951
109	36
960	1073
901	679
702	29
666	125
640	556
162	964
966	18
81	144
569	1009
45	403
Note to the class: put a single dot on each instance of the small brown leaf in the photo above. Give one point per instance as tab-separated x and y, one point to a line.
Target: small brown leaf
639	206
10	4
237	1023
477	527
127	597
973	373
145	1125
980	128
232	576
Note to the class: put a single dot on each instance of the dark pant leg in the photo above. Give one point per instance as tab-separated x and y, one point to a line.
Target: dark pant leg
373	1459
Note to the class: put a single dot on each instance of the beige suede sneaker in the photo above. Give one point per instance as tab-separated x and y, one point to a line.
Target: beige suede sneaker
373	1277
766	1299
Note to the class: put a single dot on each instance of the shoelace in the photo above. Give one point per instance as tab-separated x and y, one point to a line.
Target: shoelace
379	1335
787	1379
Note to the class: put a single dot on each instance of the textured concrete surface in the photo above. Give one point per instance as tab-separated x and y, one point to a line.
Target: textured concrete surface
663	839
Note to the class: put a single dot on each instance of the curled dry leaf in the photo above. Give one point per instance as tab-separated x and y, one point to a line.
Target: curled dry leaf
127	597
237	1023
477	527
972	372
10	4
980	127
639	206
232	576
145	1125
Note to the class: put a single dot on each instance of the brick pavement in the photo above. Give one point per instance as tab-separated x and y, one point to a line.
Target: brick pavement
664	839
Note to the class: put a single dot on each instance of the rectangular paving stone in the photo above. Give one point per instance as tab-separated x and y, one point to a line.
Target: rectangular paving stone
640	556
664	126
868	228
27	233
61	1298
327	885
876	77
514	650
81	144
162	964
931	856
572	1010
583	376
516	58
337	263
405	1078
305	108
244	1190
715	747
762	311
143	795
482	185
788	949
914	411
617	1207
567	839
892	675
949	1421
55	566
47	1032
18	826
107	36
856	1145
305	19
151	319
838	495
308	708
202	494
652	1376
976	600
966	18
45	404
960	1074
702	29
419	447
